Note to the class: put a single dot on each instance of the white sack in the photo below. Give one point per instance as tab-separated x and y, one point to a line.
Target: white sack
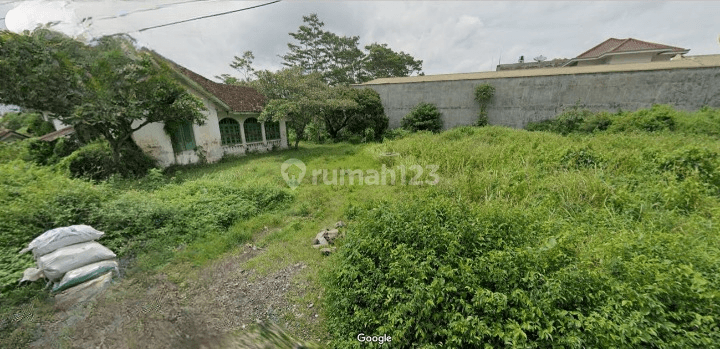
83	292
55	264
54	239
32	274
85	273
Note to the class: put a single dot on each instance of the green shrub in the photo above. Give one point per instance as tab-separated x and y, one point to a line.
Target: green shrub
95	161
316	132
689	161
10	151
657	118
13	121
596	122
704	121
36	199
570	120
396	133
424	117
433	272
581	158
40	151
37	125
544	125
483	94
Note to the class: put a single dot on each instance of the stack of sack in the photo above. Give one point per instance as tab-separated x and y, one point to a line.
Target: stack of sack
71	259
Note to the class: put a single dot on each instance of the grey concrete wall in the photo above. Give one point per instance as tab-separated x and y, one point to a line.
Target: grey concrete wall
519	100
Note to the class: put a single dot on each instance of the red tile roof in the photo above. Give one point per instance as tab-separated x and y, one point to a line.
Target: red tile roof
57	134
613	45
238	98
4	134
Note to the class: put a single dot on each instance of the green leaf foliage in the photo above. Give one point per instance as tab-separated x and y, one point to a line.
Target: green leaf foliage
436	272
424	117
135	221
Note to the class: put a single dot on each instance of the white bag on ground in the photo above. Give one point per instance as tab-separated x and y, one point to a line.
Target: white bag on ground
85	273
54	239
32	274
54	265
82	292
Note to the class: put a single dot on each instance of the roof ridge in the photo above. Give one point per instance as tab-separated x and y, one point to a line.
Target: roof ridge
596	46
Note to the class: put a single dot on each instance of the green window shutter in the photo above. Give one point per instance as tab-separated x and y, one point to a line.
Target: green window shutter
230	132
183	138
253	131
272	130
189	137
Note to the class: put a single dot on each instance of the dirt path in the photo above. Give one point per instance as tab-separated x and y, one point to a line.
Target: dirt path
223	300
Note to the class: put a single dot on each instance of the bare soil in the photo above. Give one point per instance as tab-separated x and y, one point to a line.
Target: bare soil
209	311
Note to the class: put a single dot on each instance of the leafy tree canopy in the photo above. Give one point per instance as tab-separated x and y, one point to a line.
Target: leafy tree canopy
107	89
298	98
337	58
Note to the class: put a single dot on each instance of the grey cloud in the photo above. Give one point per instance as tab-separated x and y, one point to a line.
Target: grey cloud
450	37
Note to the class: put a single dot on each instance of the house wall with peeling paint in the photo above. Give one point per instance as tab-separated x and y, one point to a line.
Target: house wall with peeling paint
155	142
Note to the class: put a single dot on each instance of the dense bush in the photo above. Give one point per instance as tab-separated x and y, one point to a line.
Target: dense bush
30	123
37	199
657	118
95	161
424	117
396	133
433	272
369	116
10	151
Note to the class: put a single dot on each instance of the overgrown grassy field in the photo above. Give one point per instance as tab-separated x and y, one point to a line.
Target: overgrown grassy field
604	238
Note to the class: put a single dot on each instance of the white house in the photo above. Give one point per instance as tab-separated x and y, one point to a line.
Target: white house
231	127
620	51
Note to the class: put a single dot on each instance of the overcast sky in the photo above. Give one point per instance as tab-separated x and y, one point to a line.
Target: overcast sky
450	37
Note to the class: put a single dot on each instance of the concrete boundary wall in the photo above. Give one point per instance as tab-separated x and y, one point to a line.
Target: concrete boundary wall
519	100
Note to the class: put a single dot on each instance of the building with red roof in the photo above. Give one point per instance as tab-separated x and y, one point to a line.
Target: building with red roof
620	51
232	126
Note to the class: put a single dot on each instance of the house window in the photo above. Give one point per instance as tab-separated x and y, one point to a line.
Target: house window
272	130
230	132
253	131
183	138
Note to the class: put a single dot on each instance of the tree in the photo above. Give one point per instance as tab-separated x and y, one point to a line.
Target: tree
383	62
342	109
42	70
293	96
355	118
298	98
344	59
339	59
370	114
106	90
127	91
310	53
244	65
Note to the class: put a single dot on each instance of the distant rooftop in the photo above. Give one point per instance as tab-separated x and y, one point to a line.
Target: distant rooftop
613	45
689	62
58	134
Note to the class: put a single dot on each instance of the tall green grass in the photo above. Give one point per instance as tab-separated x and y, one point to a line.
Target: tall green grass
535	239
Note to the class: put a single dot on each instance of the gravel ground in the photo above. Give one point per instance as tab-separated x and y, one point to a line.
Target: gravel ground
211	311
